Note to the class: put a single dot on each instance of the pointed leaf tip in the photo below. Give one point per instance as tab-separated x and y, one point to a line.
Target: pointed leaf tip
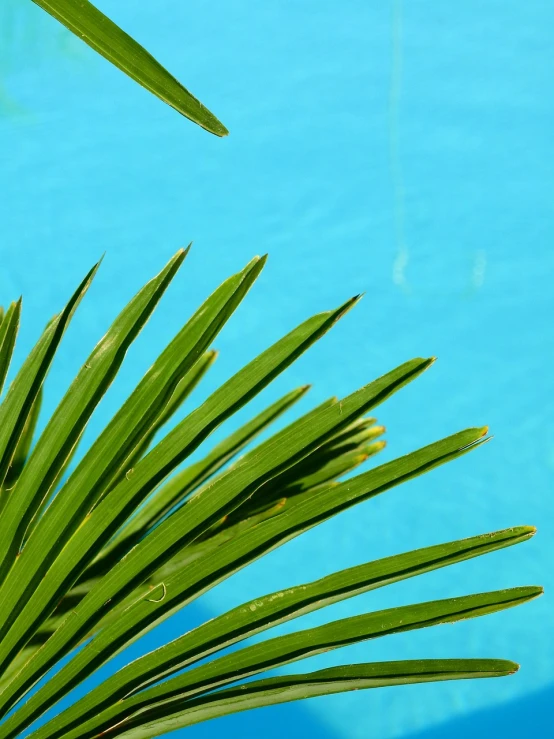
347	305
90	25
257	260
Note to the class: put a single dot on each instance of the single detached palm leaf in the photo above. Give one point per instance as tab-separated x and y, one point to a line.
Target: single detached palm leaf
104	36
99	552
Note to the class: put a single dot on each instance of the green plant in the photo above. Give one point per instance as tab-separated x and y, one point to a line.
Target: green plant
99	555
104	36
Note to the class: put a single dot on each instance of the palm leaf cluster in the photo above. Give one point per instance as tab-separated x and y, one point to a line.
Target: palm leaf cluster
95	553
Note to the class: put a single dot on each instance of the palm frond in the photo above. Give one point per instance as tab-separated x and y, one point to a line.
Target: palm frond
136	531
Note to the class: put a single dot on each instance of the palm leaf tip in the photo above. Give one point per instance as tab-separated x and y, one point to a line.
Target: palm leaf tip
348	305
106	38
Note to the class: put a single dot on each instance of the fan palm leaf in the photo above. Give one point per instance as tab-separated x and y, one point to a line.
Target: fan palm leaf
96	553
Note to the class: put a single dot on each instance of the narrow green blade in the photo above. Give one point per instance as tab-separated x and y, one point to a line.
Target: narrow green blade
52	578
95	473
76	594
134	618
21	453
185	386
73	413
9	325
181	393
202	511
24	390
270	610
274	691
283	650
80	590
306	477
101	34
186	481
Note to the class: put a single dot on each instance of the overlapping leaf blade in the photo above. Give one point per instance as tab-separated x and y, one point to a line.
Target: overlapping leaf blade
21	621
268	611
133	619
21	453
184	387
186	481
328	462
95	473
340	455
21	396
72	414
104	36
9	324
282	650
273	691
219	455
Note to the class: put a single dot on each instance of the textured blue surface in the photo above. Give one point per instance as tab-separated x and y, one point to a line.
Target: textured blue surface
401	149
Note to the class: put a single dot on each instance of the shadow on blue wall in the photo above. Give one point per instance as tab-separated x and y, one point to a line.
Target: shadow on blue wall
527	716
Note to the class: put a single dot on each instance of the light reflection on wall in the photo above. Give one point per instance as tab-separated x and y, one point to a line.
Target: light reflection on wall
471	282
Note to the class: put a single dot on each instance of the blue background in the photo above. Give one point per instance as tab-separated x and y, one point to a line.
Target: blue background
402	149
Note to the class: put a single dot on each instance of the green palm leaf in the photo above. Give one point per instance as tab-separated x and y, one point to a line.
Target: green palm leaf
277	690
21	397
9	324
283	650
104	36
264	613
189	479
71	416
130	537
